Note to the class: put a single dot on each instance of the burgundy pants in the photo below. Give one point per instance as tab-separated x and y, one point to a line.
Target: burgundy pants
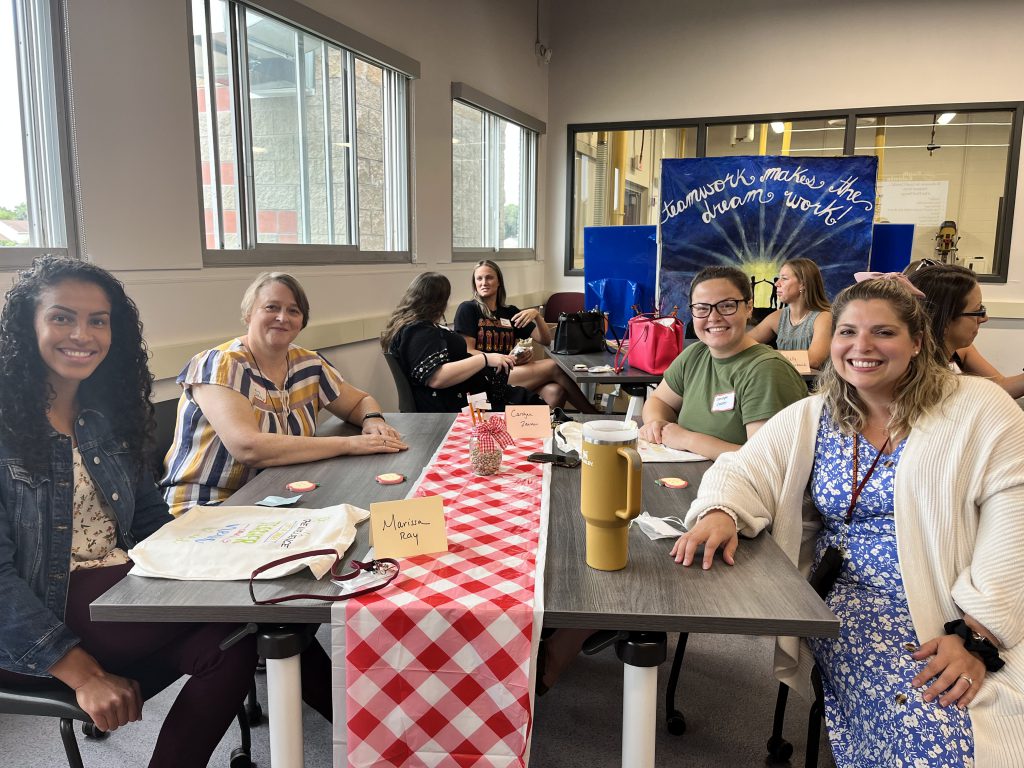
156	655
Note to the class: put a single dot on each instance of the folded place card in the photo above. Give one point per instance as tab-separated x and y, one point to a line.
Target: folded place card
528	421
408	527
798	359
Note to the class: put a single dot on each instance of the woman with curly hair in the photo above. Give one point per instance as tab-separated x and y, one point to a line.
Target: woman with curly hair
75	496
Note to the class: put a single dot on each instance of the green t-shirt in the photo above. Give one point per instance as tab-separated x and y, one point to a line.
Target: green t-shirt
721	396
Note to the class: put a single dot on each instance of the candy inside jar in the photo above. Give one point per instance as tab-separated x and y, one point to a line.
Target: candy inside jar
484	461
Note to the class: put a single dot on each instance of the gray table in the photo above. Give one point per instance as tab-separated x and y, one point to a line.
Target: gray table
635	379
348	479
761	594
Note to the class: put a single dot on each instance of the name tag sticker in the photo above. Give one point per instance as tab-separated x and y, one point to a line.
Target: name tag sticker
408	527
725	401
528	421
506	322
798	359
258	392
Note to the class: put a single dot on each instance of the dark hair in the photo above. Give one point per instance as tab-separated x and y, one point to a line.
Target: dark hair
809	275
945	287
120	387
288	281
500	298
426	298
924	385
732	274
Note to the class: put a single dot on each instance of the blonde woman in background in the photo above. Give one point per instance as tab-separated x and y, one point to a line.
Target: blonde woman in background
805	320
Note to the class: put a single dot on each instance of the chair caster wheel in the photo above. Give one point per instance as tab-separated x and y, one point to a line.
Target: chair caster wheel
779	750
676	723
254	714
240	758
92	731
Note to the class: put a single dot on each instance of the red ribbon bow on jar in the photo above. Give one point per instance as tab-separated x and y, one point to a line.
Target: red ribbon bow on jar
492	434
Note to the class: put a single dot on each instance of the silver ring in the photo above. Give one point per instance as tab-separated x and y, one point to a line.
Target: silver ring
968	678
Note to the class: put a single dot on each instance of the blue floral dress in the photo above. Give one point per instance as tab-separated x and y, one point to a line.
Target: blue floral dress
875	717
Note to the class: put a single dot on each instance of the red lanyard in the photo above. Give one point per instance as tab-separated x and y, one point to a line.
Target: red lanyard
858	488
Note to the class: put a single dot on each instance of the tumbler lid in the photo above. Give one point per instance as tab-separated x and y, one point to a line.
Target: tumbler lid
608	432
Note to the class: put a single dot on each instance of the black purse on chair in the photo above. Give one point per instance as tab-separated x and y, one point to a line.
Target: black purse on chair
579	332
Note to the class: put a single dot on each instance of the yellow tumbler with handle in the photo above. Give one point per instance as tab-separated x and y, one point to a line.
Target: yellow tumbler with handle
609	491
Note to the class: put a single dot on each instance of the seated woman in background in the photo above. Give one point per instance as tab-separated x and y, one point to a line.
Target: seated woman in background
435	359
75	496
805	322
490	325
253	402
921	564
954	304
717	393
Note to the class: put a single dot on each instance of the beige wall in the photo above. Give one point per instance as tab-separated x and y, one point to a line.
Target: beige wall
663	59
137	160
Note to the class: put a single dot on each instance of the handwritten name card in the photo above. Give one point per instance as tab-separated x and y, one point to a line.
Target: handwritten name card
798	359
528	421
408	527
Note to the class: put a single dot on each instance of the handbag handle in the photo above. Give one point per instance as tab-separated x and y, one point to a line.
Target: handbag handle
380	566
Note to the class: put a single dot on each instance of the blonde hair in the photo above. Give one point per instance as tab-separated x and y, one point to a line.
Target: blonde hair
265	278
807	272
924	385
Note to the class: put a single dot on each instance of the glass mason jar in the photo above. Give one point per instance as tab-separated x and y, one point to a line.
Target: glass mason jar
483	461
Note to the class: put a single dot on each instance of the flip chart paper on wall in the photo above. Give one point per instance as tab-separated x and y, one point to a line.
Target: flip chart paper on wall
528	421
408	527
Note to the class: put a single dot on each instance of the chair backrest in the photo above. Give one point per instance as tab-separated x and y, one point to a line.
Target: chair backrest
166	416
406	402
566	301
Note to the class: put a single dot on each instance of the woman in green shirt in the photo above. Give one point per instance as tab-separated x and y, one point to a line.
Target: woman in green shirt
719	392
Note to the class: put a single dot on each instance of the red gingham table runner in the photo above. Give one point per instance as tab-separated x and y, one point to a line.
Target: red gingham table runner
438	665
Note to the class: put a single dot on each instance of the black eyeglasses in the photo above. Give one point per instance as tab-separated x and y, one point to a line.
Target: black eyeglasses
982	312
725	307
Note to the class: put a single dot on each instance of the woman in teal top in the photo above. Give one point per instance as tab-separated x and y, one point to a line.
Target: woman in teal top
718	392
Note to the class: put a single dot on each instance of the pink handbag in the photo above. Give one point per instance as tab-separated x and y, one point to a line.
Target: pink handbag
654	342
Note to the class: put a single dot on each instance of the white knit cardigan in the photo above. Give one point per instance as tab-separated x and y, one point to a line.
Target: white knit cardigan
959	510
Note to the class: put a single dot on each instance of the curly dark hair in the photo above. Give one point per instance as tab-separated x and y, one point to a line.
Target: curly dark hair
426	298
120	387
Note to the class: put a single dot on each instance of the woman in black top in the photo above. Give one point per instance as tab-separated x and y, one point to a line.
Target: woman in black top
489	325
435	359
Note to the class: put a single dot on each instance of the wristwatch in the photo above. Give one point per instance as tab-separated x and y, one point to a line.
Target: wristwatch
374	415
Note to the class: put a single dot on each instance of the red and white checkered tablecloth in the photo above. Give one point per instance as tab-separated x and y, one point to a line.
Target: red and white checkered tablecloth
438	665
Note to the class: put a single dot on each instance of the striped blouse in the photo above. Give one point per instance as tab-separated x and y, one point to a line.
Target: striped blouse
199	468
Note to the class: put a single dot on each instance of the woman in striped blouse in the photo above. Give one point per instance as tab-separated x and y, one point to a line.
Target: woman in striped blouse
253	402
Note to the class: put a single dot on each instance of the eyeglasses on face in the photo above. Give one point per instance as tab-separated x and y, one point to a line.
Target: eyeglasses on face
982	312
725	307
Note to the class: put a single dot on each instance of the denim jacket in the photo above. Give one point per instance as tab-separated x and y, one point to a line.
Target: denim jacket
35	536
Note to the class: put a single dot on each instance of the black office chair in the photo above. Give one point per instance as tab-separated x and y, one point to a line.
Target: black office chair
56	700
406	402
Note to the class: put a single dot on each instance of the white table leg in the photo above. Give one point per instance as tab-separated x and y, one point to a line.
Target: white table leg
635	407
639	715
284	704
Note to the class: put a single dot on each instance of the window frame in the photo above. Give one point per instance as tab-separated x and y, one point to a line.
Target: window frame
1004	225
56	153
399	71
494	109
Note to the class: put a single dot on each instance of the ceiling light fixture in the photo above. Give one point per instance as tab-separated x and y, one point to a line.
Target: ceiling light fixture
778	126
945	118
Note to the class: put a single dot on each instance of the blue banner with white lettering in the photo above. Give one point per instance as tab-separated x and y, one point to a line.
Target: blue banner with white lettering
756	212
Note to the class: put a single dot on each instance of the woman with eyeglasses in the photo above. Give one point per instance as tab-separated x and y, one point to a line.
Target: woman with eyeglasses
898	486
953	301
719	392
805	320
